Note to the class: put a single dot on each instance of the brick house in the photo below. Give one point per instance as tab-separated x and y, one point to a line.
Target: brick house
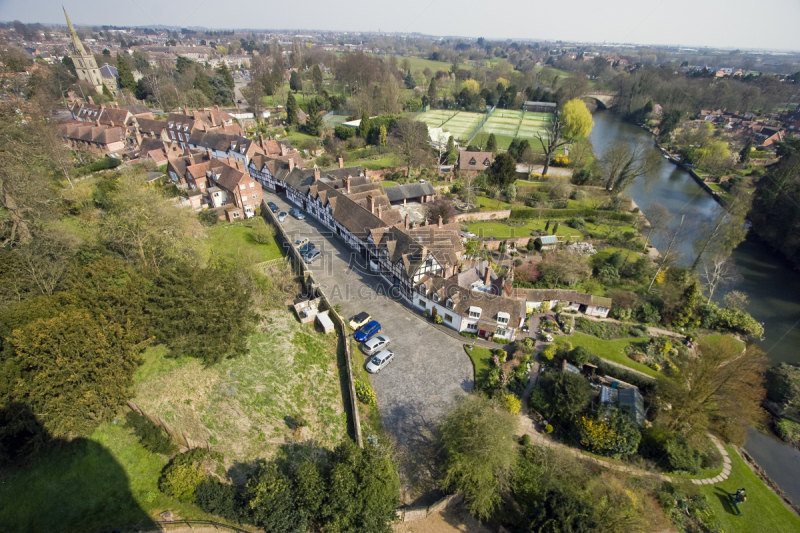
474	163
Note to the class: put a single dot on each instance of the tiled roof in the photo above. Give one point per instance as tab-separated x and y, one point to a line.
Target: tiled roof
563	295
409	190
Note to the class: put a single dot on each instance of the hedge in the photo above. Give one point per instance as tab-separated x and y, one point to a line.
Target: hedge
530	212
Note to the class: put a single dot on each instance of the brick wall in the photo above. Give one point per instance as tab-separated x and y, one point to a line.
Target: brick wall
484	215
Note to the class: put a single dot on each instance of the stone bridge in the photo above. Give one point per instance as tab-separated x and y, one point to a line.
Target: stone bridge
604	100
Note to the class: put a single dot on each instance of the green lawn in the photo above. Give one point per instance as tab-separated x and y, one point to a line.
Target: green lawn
763	510
387	161
500	230
481	358
385	184
611	350
715	339
490	204
236	239
108	480
630	255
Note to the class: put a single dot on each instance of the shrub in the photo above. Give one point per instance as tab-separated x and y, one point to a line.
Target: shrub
208	217
437	319
526	440
549	352
183	474
152	437
512	403
299	421
219	499
788	430
263	233
548	428
613	434
365	394
576	222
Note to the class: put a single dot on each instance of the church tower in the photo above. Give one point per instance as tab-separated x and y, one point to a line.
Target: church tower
85	65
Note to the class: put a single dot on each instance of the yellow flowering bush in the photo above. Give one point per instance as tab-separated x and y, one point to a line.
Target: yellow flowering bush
512	403
365	394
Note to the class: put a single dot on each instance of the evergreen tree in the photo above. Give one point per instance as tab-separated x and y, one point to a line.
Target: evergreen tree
364	126
383	138
203	84
316	78
224	73
503	171
745	153
433	94
409	81
452	153
314	123
126	80
555	228
107	92
291	109
491	144
547	226
295	81
685	313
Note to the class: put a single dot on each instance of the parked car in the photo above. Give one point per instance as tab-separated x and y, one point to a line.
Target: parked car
547	337
282	216
272	207
307	247
368	331
312	256
375	344
379	361
359	320
302	241
296	213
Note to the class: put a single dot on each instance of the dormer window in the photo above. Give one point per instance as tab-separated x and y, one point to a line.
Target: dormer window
486	162
449	303
475	312
503	318
435	297
472	161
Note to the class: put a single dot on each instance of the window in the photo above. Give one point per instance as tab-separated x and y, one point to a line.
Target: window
235	214
475	312
503	318
252	184
472	326
501	332
472	161
487	163
449	304
435	297
255	196
172	133
242	186
448	318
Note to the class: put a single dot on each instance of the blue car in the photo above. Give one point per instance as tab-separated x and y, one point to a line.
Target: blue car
274	208
368	331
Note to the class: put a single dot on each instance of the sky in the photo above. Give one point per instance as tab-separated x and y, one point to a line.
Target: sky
744	24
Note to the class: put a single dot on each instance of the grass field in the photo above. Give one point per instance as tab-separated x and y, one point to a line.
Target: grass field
500	230
481	358
232	240
107	480
763	510
241	407
611	350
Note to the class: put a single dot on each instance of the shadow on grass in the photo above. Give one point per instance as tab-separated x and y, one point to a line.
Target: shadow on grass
725	498
51	484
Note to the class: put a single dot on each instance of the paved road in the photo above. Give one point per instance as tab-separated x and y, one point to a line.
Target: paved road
430	368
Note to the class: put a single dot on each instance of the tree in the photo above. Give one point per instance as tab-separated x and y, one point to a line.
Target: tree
314	124
272	501
562	395
747	149
725	230
717	271
433	94
658	216
720	389
295	81
558	511
573	122
316	78
126	80
224	73
686	311
144	226
410	141
254	93
291	110
383	138
440	207
511	192
612	433
471	87
623	163
452	154
503	171
75	370
477	439
491	144
364	126
668	255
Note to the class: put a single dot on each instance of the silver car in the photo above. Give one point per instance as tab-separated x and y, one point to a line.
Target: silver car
379	361
302	241
375	344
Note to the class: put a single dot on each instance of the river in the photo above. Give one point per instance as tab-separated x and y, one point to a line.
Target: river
769	280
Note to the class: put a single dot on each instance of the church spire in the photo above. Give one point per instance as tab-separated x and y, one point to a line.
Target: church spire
76	42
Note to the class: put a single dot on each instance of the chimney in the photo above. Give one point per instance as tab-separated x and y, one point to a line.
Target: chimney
261	139
210	154
138	135
371	204
346	180
440	221
487	278
406	224
424	252
379	210
317	175
231	161
90	99
216	107
283	149
291	164
186	110
97	122
341	162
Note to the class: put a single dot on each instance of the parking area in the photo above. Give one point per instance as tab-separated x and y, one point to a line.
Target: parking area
429	368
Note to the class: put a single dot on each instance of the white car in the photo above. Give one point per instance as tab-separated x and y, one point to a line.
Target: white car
379	361
302	241
375	344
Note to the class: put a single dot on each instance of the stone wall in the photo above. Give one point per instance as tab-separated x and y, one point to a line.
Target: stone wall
483	215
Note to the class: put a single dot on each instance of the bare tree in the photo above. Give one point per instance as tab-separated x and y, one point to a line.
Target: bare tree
410	141
725	230
622	163
717	271
668	255
658	217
